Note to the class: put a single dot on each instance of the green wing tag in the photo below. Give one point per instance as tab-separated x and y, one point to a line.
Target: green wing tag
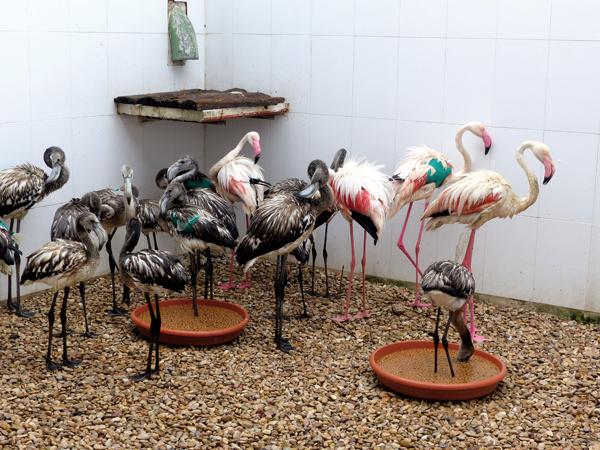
185	227
196	184
438	173
3	226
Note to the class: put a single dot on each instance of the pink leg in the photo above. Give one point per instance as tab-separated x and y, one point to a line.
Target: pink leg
229	284
247	283
467	262
417	303
344	317
364	313
400	242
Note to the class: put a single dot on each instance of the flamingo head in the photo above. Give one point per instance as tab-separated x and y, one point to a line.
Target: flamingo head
478	129
254	140
92	201
542	153
174	195
185	165
90	223
54	158
338	159
161	179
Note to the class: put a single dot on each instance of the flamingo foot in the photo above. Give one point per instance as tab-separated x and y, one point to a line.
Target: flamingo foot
244	285
342	318
478	338
419	304
365	313
227	285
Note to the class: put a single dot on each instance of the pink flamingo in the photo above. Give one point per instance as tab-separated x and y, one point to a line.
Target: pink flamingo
483	195
363	194
417	177
232	177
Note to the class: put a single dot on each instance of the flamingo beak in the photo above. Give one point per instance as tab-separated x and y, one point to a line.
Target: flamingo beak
172	172
101	235
54	174
308	192
549	169
257	150
487	141
163	203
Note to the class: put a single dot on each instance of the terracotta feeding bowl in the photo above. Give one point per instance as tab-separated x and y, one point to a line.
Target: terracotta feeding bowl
217	322
407	368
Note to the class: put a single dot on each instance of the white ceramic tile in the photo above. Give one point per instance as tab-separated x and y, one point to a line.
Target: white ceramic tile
520	95
473	145
592	300
331	81
410	134
48	16
575	20
561	267
124	64
327	135
289	142
332	17
469	79
219	64
252	62
377	19
423	18
472	18
124	16
14	88
191	74
50	76
89	75
197	14
87	15
252	16
15	145
219	16
452	243
575	157
89	142
502	159
154	16
524	20
290	72
421	79
573	97
375	58
291	17
156	72
375	138
510	257
14	15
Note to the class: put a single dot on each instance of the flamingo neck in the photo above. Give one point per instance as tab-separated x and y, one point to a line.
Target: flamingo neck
230	156
84	237
534	187
467	161
129	200
131	239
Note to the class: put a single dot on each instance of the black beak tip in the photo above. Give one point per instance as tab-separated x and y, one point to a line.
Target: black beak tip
487	149
256	158
547	179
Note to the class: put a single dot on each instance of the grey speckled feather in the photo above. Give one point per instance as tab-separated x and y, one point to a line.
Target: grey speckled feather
149	269
55	258
64	224
450	278
148	213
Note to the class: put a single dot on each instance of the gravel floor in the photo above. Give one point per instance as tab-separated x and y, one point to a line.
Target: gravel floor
248	395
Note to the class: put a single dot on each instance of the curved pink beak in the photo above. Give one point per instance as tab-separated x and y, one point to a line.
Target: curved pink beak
257	150
549	169
487	141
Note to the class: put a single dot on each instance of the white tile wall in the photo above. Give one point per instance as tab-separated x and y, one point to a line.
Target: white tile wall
378	77
63	63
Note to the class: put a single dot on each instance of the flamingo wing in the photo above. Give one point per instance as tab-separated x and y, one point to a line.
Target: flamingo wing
474	193
20	188
156	268
234	182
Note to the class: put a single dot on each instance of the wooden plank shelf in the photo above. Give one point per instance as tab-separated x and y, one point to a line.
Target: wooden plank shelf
203	106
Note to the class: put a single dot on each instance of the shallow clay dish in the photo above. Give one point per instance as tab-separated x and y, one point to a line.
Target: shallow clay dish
435	391
196	338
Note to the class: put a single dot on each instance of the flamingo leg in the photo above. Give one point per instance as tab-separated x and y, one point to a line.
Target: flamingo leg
87	333
417	303
51	365
20	312
148	240
327	294
436	339
63	324
313	251
247	283
467	262
400	243
301	285
194	273
115	310
344	317
282	343
156	335
151	342
154	238
364	313
229	284
9	302
445	345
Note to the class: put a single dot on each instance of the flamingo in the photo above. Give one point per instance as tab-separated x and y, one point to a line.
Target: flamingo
61	264
362	193
417	177
21	187
198	223
9	249
232	177
449	285
152	272
64	226
118	206
484	195
281	224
